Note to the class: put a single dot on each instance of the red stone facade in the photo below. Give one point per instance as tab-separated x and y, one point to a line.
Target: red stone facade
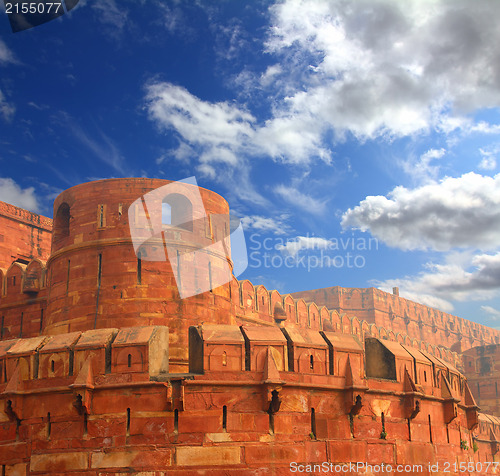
24	236
403	316
104	370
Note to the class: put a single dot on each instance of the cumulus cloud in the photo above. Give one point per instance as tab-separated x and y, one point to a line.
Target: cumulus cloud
12	193
220	128
369	68
383	68
455	212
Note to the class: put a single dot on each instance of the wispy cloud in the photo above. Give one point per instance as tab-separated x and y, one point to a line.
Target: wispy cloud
493	314
277	225
489	157
6	55
102	146
114	17
301	200
462	277
7	109
424	169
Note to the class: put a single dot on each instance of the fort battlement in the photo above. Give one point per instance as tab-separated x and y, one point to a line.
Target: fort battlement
105	369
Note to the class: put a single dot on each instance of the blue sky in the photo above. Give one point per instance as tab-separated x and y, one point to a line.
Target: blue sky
358	140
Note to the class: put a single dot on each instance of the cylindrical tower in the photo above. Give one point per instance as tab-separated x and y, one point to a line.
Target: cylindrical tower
159	263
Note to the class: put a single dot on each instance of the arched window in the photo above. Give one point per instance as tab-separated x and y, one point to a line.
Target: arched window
61	222
166	214
177	211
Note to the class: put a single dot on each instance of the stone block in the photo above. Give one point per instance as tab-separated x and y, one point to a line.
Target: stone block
208	455
59	462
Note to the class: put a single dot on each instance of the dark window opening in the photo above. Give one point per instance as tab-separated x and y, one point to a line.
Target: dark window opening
129	360
99	269
313	423
224	418
176	421
128	421
101	216
67	277
139	268
430	428
49	426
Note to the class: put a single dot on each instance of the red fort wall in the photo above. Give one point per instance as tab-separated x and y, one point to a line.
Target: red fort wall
105	370
23	235
403	316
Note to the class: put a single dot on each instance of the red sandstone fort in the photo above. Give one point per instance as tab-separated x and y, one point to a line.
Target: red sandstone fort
104	370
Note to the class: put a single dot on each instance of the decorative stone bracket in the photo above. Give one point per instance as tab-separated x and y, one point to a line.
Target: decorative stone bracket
175	395
354	390
83	388
274	400
450	402
412	397
13	396
471	409
272	385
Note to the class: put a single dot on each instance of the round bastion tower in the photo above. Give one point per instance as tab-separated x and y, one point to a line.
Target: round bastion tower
138	252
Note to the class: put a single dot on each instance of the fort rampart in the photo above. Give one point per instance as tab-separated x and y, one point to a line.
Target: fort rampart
105	370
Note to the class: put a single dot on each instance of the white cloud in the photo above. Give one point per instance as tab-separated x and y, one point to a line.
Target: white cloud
383	68
300	199
494	314
455	212
266	224
370	68
293	247
12	193
488	154
217	127
111	14
461	278
422	169
7	110
6	55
